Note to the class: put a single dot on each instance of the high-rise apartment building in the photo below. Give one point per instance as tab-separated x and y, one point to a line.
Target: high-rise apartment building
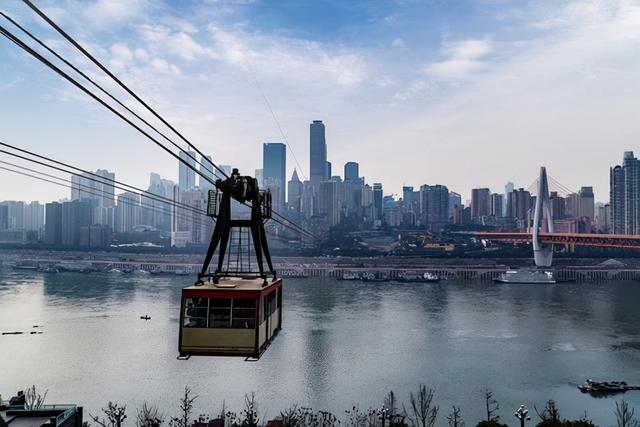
624	193
480	203
497	205
96	187
318	152
377	200
4	217
75	215
434	206
53	224
586	203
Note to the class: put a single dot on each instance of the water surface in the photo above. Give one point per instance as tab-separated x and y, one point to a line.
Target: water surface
343	343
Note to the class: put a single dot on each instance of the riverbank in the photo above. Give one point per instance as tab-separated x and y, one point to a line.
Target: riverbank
332	267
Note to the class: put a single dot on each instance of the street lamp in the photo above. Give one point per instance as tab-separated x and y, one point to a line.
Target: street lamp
522	414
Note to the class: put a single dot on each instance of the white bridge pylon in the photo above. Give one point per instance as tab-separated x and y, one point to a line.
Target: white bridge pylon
542	252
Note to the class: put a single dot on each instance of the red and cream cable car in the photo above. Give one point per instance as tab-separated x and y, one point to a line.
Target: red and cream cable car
232	312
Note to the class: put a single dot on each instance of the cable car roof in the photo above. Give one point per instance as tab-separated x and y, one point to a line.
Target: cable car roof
232	283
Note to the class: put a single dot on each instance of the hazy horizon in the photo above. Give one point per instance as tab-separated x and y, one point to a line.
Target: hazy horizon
470	94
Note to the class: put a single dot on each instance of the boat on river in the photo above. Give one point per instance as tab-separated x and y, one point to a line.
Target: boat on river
526	277
605	387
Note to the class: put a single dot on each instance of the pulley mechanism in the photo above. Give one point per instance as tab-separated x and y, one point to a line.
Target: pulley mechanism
243	189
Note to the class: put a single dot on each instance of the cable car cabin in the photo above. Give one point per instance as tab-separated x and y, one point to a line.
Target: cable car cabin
236	310
235	317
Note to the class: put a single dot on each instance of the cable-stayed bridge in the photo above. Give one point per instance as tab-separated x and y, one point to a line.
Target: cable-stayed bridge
542	235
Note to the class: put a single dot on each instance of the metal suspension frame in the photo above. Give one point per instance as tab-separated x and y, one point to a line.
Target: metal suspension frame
243	189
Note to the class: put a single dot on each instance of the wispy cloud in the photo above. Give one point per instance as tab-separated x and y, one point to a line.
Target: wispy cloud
462	59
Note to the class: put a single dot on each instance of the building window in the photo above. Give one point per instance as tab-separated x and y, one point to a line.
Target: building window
244	314
220	312
195	315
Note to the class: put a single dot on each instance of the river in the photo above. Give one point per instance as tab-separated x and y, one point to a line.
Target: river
343	343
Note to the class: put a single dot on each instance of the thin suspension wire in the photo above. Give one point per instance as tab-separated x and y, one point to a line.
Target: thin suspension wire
126	88
286	222
116	79
52	66
90	80
98	178
123	201
275	119
166	201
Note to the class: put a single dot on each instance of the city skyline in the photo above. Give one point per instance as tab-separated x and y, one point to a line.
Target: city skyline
388	91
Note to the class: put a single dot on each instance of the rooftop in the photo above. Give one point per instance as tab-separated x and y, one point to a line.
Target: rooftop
235	283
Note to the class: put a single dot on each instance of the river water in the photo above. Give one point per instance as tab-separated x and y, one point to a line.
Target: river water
343	343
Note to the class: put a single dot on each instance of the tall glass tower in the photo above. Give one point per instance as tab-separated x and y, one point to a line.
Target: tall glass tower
187	176
274	169
318	152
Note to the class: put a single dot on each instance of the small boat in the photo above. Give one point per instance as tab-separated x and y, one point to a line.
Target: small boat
49	270
606	387
526	277
348	275
24	267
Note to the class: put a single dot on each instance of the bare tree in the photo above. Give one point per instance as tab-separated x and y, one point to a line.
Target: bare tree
550	412
625	416
33	399
491	406
455	417
115	414
148	416
186	408
250	412
423	410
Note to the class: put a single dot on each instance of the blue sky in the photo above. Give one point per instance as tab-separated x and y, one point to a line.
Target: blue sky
461	93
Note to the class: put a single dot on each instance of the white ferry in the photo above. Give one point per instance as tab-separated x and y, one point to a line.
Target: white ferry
525	276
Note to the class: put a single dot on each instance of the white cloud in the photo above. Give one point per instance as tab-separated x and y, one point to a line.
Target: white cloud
566	99
102	13
297	59
398	43
464	59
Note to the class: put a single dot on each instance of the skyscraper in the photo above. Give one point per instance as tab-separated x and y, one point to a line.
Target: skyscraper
294	193
586	203
274	169
480	202
186	175
207	169
497	204
317	152
377	200
434	206
624	193
75	215
616	199
351	171
53	224
4	217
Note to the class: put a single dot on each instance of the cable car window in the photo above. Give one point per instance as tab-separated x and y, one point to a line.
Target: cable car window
220	312
244	313
269	305
195	313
